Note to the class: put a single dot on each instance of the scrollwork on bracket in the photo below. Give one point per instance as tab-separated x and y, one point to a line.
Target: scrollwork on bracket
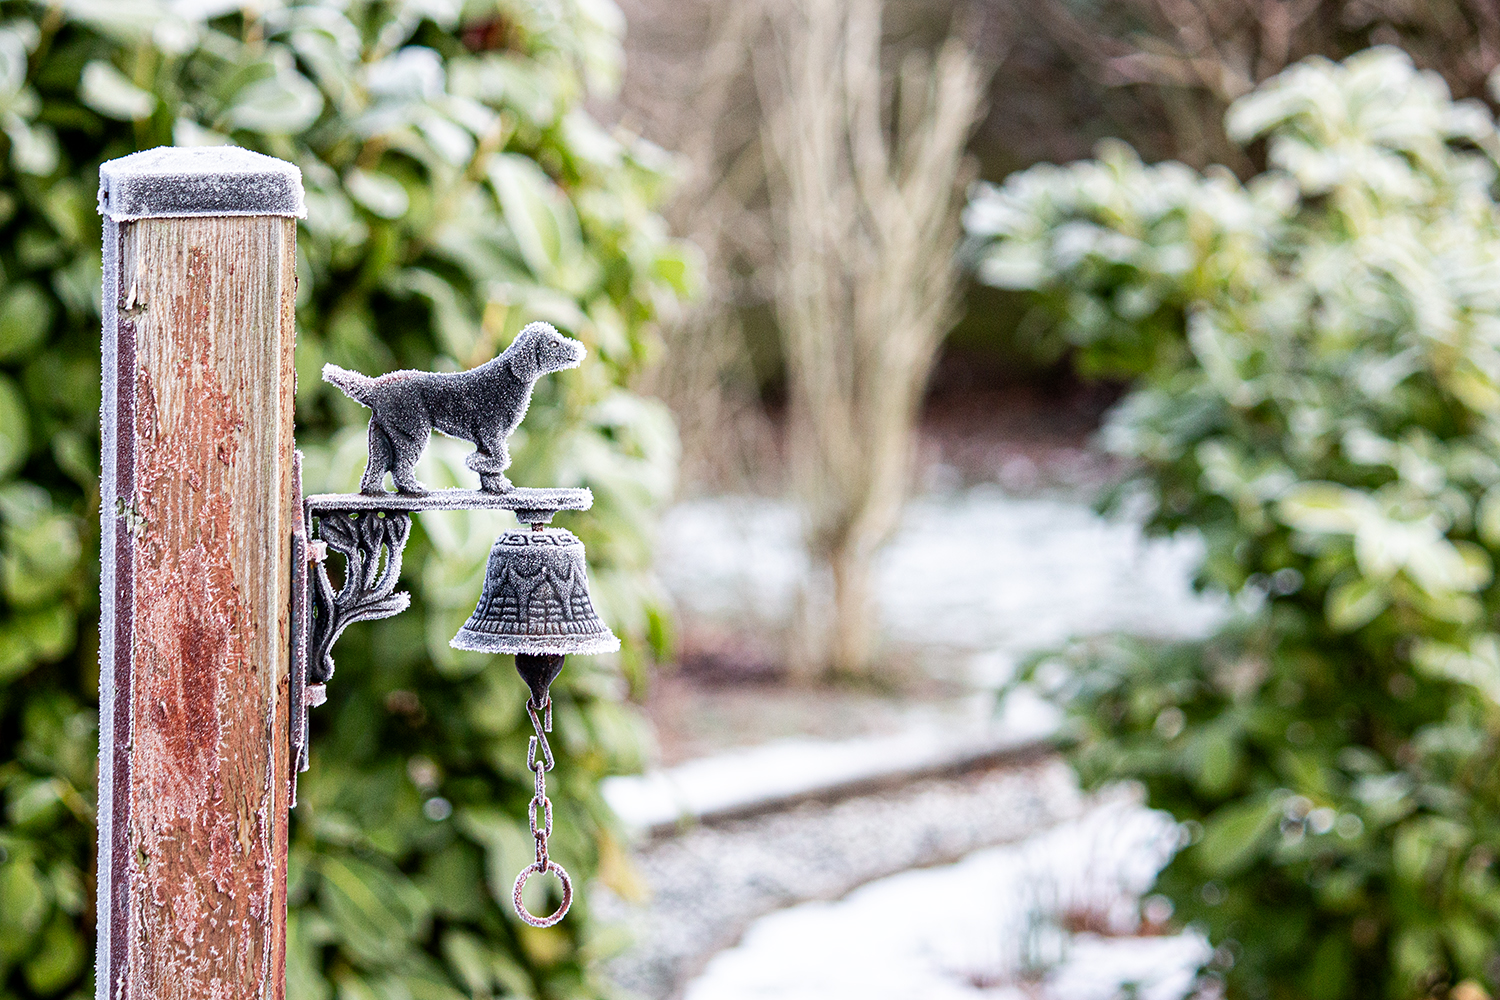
369	581
319	615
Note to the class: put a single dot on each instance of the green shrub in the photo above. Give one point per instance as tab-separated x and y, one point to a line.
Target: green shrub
456	189
1315	358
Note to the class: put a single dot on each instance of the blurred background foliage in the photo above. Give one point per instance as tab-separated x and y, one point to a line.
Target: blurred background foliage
456	189
1314	358
1158	74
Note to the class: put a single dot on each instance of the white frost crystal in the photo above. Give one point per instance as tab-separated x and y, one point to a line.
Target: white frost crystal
173	181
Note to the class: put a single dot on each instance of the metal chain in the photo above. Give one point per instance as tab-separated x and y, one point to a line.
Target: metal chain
539	766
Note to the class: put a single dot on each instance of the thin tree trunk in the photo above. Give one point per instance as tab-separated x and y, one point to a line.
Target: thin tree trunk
867	182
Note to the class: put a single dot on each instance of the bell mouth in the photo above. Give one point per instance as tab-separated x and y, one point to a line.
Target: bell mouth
536	645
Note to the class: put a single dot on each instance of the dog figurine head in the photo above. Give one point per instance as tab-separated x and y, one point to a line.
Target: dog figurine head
539	349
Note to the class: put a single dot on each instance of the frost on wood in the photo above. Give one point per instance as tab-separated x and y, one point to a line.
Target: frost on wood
173	182
199	510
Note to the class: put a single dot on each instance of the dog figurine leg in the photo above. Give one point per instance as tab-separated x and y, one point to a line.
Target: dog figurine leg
406	450
381	457
490	459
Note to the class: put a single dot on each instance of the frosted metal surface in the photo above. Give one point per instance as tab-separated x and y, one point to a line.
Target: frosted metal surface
176	182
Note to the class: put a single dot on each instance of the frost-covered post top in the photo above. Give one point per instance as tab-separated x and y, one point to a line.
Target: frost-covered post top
172	181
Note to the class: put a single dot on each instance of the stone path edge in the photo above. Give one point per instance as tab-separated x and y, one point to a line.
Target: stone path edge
957	763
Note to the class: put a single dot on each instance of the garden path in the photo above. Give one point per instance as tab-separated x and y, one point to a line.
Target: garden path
800	841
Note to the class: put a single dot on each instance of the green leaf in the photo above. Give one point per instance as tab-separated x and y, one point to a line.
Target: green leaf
34	803
16	657
430	988
59	956
1355	604
52	631
23	905
1329	976
507	845
25	318
1417	952
374	917
679	267
1216	757
453	882
540	216
42	549
304	974
1233	835
15	429
1489	518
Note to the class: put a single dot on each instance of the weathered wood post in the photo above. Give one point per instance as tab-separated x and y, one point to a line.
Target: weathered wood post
199	502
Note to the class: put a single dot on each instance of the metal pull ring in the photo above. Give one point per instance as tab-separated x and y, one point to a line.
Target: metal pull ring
567	887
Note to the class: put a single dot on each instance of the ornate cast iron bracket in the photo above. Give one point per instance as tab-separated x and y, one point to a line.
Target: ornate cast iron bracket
370	532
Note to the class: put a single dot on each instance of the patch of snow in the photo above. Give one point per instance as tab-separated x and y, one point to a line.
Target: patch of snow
962	931
786	769
997	575
978	570
708	883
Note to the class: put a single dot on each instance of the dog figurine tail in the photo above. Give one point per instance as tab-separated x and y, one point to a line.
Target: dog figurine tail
352	384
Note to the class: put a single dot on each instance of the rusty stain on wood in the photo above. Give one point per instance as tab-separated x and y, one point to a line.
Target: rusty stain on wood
204	470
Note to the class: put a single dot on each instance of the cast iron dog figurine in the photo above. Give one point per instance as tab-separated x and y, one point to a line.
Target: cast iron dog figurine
483	405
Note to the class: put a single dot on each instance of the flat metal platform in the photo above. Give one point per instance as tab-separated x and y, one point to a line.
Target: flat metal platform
520	499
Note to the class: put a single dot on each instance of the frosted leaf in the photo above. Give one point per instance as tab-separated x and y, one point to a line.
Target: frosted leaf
176	36
443	13
283	104
33	148
186	132
380	194
110	92
203	10
414	73
452	143
13	56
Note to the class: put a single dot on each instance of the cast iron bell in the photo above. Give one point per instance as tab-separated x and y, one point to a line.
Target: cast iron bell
535	603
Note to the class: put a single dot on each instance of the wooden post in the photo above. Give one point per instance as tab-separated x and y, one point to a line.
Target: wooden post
198	509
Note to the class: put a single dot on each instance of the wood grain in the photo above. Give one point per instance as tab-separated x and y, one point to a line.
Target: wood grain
202	577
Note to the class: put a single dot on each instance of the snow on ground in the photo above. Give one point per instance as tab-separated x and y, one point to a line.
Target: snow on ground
788	768
985	927
977	569
994	577
980	570
708	883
